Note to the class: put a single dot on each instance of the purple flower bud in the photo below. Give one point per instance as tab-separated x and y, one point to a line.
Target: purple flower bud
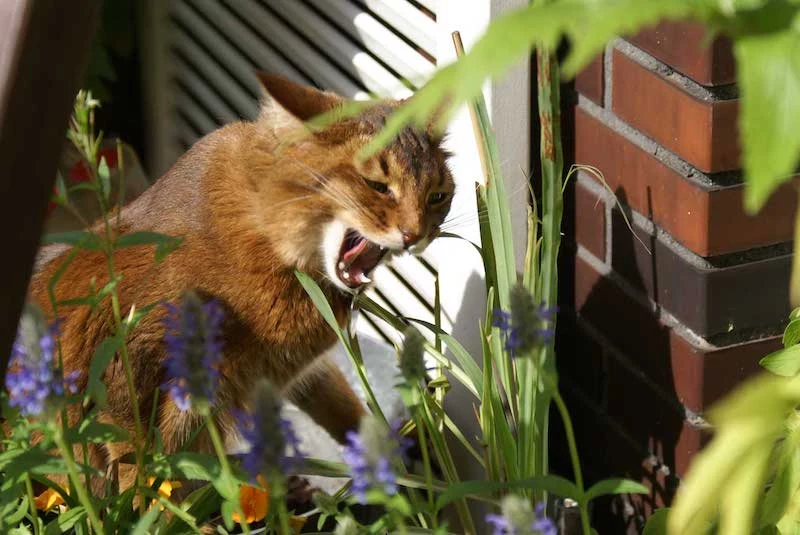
527	325
371	455
272	443
194	351
34	376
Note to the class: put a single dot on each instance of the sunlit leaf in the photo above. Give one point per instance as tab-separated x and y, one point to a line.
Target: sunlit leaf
791	335
614	486
784	362
768	70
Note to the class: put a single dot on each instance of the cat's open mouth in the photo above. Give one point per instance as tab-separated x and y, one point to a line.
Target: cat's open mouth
357	258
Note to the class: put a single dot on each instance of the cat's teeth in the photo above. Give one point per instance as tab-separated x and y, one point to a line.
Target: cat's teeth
342	266
365	279
346	275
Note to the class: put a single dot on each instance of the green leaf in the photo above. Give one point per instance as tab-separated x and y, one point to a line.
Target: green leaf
94	431
791	335
657	523
768	72
65	521
143	525
187	465
614	486
95	387
784	484
16	464
729	473
17	515
784	362
104	175
550	483
79	239
599	22
164	244
202	504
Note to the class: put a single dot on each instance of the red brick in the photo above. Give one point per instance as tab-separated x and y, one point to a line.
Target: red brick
590	81
704	133
706	221
685	47
590	221
697	375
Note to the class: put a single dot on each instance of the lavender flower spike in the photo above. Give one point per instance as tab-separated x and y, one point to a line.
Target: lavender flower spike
527	325
519	519
273	446
371	454
194	351
34	377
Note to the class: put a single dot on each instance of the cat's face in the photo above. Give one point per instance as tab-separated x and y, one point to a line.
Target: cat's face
392	202
395	201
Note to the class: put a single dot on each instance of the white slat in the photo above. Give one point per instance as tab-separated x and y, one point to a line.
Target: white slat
194	113
245	101
378	39
357	62
223	114
275	31
408	20
258	50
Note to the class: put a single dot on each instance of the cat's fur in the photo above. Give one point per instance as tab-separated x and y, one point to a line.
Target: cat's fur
254	202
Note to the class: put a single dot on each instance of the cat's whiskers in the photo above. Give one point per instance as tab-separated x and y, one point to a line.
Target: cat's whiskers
336	194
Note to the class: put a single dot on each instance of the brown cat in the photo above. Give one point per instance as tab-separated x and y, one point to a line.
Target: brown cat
254	202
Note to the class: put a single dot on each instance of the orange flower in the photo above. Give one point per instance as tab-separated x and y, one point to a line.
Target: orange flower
48	499
254	502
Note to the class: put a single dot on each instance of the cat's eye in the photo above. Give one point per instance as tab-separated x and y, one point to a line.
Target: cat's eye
380	187
437	198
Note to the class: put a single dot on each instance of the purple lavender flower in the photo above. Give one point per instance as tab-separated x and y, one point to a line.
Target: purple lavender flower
519	519
273	445
34	377
542	524
527	325
370	455
194	351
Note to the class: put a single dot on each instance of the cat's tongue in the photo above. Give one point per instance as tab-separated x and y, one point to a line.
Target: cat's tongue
357	258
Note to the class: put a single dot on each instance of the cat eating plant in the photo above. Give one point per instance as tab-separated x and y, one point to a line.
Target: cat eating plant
254	202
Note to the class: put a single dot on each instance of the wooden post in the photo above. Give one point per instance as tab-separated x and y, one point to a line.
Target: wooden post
44	46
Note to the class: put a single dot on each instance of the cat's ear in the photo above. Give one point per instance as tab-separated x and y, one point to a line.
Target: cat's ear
287	103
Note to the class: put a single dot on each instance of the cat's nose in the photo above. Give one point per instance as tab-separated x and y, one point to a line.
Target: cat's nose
409	238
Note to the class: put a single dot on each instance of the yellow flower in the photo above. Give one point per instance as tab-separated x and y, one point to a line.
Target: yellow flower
254	502
47	500
165	489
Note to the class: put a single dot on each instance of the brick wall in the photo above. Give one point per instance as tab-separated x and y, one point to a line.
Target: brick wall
670	315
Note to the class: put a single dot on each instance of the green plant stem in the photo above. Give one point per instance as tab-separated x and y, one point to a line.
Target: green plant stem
279	502
227	475
446	462
126	363
72	469
573	453
32	505
426	461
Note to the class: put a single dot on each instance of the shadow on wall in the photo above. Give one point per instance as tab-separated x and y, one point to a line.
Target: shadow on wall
628	419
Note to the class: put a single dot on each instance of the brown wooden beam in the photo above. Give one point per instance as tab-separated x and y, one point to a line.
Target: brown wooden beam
44	46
